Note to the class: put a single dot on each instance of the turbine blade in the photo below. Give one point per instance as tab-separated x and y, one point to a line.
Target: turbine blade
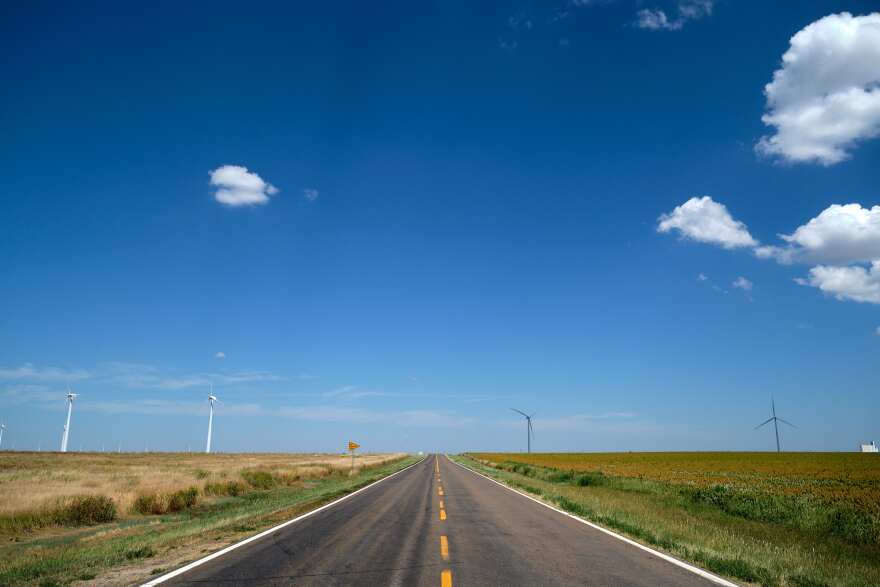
786	422
531	430
519	412
767	421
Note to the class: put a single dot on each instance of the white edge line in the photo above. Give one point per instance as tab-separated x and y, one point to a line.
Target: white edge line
232	547
687	566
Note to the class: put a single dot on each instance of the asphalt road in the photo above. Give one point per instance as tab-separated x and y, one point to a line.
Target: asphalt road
438	524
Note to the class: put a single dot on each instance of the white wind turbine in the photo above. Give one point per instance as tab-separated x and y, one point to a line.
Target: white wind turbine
211	399
70	398
2	428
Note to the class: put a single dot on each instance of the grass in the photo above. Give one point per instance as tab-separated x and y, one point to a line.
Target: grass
213	500
761	519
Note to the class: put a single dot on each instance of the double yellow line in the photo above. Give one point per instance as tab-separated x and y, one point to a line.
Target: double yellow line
446	574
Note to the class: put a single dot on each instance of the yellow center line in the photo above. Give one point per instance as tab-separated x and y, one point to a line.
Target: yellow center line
446	578
444	548
442	515
441	504
439	491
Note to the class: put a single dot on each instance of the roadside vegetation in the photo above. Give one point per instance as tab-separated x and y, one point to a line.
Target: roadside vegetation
804	519
117	518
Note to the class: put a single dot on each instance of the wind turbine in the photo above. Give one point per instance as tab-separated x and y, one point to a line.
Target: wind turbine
70	398
773	418
2	428
529	431
211	399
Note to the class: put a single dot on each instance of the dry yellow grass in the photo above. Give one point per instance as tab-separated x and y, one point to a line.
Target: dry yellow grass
31	481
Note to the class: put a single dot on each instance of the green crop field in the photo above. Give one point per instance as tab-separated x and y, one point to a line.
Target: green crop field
761	518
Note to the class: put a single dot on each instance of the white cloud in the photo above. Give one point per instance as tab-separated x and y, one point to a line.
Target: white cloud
239	187
656	20
855	283
877	332
688	10
743	283
839	235
702	277
705	220
826	96
30	372
311	194
220	355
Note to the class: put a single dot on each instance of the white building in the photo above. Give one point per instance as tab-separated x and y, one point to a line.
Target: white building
870	447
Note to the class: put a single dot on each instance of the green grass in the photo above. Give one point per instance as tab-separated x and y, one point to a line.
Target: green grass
60	560
779	541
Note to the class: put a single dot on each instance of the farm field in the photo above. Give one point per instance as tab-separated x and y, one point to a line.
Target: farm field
761	518
92	516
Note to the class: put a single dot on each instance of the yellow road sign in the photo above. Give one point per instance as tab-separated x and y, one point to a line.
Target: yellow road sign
353	445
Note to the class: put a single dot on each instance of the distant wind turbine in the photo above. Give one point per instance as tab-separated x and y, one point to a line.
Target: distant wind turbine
529	432
70	398
211	399
2	428
773	418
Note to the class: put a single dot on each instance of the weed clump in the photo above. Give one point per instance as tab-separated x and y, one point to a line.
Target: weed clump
139	553
86	510
221	488
157	503
259	479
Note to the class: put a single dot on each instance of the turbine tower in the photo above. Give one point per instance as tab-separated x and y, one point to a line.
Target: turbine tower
211	399
529	431
2	428
70	398
773	418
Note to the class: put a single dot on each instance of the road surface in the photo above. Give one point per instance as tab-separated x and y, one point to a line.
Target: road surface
437	523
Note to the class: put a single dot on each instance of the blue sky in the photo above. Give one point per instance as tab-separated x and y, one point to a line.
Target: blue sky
393	221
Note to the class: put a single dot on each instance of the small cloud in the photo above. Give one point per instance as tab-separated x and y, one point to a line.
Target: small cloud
311	194
220	355
877	332
656	20
688	10
239	187
702	277
564	42
743	283
856	283
840	234
707	221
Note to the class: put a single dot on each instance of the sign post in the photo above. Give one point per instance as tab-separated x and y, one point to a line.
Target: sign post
352	445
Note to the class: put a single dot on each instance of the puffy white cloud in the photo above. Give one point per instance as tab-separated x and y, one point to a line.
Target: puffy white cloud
705	220
826	96
702	277
854	283
657	20
840	235
743	283
220	355
239	187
